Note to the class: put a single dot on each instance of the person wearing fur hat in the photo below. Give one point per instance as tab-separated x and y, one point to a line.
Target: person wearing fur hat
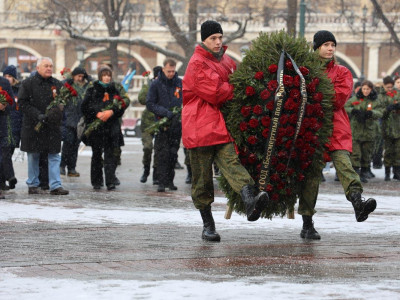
340	145
206	88
105	138
72	115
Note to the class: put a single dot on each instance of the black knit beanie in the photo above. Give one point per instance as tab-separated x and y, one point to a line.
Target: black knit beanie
322	37
78	70
209	28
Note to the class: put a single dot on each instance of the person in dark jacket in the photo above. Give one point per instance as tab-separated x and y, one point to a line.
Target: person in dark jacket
34	96
164	94
7	170
72	115
106	137
5	133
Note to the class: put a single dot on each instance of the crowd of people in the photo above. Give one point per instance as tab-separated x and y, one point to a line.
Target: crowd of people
366	129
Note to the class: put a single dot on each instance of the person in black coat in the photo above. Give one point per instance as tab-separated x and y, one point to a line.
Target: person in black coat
164	94
34	96
5	133
105	138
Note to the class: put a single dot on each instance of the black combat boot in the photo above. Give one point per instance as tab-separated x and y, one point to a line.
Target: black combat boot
146	173
362	208
155	177
209	233
254	205
396	172
189	175
308	232
387	173
369	173
362	174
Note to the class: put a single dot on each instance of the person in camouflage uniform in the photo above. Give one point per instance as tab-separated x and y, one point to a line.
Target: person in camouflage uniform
147	120
365	113
391	129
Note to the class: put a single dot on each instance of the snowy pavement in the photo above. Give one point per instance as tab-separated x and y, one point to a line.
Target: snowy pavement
137	244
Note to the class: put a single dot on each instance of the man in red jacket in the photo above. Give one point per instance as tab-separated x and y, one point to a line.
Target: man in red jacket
340	145
205	89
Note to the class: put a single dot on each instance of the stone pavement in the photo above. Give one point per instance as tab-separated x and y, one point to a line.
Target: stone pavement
135	233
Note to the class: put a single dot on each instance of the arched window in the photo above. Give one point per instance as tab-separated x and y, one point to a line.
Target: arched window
23	60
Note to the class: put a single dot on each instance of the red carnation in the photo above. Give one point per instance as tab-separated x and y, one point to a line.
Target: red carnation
250	91
289	64
305	165
252	140
266	121
246	110
265	132
304	71
290	171
243	126
290	104
294	93
300	177
279	141
281	167
289	144
287	80
310	110
290	131
282	154
253	123
252	158
311	88
275	177
272	85
269	188
265	94
284	119
296	81
270	105
258	110
318	97
273	68
315	81
259	75
293	119
281	186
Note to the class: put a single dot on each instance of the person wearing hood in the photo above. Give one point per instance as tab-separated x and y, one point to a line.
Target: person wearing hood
365	111
206	88
164	96
72	115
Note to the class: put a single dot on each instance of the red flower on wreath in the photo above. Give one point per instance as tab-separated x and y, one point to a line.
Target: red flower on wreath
287	80
265	94
266	121
252	140
289	64
290	104
258	109
311	88
281	167
250	91
318	97
252	158
253	123
315	81
259	75
272	68
304	71
272	85
295	94
265	132
243	126
270	105
284	119
245	111
296	81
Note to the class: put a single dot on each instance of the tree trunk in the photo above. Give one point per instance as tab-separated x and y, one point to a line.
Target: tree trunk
291	17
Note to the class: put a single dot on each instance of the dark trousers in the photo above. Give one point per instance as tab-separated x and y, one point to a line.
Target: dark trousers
6	165
69	151
109	163
166	146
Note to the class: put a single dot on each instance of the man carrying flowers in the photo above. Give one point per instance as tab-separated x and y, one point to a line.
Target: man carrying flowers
206	88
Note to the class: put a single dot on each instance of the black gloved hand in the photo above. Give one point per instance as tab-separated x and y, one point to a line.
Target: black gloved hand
55	116
361	116
390	107
355	112
368	114
42	118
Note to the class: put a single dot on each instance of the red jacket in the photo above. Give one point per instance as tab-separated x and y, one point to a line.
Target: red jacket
205	89
343	84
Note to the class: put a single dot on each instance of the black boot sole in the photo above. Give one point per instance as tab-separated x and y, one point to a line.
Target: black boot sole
261	202
211	238
369	207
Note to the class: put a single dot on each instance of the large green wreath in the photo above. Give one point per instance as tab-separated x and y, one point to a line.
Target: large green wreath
248	118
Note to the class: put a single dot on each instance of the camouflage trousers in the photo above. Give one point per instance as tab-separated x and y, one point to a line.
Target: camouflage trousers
391	156
147	142
201	160
346	174
362	153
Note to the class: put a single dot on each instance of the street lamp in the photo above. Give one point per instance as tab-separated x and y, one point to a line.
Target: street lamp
364	21
80	53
